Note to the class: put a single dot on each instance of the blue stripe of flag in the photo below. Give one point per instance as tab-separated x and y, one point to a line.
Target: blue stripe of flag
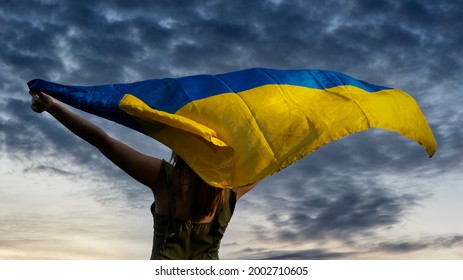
170	95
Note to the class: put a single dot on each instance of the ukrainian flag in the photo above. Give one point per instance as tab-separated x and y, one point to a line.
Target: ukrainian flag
237	128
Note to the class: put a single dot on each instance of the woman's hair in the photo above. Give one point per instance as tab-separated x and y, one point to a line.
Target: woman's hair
206	199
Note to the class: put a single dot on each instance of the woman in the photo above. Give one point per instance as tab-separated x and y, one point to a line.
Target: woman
190	216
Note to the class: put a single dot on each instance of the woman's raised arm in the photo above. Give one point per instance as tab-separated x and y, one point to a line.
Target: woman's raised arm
141	167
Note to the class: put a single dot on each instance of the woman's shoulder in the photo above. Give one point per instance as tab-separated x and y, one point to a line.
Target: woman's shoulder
243	190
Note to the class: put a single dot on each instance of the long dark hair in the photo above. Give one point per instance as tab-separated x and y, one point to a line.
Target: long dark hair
205	198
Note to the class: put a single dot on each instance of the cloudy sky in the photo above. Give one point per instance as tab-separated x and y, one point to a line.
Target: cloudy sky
371	195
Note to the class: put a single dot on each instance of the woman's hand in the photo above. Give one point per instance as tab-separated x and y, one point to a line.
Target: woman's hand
40	101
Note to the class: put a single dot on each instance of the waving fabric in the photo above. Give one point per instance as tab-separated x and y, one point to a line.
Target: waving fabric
237	128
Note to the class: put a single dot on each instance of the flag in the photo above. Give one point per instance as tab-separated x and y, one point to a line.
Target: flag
237	128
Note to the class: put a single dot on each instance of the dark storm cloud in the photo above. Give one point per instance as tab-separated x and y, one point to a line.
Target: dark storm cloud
27	134
311	254
164	38
334	207
47	169
397	247
436	242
